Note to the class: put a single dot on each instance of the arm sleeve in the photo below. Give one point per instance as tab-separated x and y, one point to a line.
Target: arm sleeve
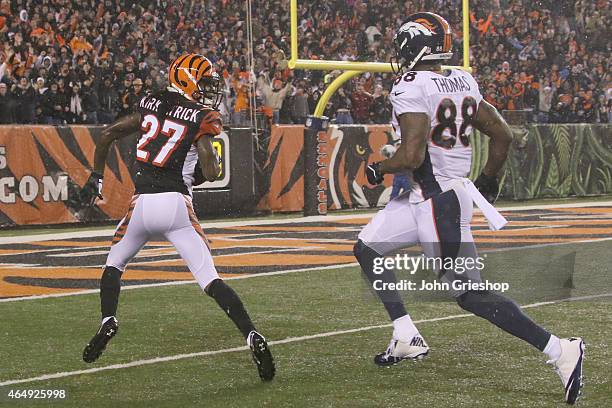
210	125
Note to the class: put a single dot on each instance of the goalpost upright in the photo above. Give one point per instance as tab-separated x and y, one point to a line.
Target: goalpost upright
353	68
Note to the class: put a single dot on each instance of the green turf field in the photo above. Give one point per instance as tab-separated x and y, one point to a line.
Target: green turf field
471	363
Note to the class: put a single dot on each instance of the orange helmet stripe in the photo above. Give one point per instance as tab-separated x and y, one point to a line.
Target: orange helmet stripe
427	24
447	32
174	69
193	60
203	61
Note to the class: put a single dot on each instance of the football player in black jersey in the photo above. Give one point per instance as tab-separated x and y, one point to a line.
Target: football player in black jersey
176	127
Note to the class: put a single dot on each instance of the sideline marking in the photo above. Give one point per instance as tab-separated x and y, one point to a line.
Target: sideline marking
288	271
287	340
108	232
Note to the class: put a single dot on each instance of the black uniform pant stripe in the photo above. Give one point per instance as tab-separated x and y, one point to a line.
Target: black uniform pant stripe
447	220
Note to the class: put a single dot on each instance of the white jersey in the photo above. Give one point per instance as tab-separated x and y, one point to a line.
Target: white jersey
451	102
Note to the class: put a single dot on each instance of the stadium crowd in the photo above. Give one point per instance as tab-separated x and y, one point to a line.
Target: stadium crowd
89	61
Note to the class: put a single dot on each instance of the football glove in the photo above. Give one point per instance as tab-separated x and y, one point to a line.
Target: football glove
373	173
488	187
91	189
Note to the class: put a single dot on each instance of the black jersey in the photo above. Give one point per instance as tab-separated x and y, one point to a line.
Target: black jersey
166	154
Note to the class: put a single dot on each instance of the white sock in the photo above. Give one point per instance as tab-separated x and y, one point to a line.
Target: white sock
403	329
107	318
553	348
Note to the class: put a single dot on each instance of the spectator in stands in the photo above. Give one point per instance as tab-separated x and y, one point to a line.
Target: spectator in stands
273	95
544	104
124	91
74	111
339	105
133	96
602	110
7	105
300	109
381	106
520	47
48	106
562	112
57	99
91	102
3	66
40	89
242	94
26	98
362	103
109	98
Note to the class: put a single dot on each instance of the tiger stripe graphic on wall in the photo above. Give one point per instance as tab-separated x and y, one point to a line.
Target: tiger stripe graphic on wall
42	170
49	264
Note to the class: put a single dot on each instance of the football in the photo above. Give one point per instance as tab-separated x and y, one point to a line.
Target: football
387	151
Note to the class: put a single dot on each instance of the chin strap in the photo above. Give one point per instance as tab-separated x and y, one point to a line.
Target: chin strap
417	58
396	65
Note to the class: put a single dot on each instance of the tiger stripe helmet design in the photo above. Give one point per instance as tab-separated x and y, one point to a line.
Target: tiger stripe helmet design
423	37
194	76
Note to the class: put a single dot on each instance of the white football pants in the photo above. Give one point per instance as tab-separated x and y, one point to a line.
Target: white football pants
441	225
168	215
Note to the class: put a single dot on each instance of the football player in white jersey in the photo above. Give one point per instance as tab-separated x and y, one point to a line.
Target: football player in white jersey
434	112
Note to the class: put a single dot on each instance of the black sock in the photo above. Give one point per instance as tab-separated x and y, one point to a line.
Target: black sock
110	285
231	304
390	298
506	315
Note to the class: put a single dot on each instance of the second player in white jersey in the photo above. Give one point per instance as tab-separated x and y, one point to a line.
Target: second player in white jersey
450	98
434	111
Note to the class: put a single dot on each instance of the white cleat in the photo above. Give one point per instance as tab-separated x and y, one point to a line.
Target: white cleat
569	367
398	351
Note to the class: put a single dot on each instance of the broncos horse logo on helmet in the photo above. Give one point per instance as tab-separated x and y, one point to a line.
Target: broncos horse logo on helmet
193	76
422	37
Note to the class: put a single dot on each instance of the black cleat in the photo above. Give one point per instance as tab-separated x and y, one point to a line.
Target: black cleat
261	356
98	343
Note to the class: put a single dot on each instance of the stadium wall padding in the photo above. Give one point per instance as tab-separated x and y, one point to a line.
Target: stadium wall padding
545	161
43	168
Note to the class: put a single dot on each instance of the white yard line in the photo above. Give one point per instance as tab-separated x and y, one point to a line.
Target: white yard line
317	218
176	283
175	357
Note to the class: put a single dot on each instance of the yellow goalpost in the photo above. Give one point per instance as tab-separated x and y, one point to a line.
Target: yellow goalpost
352	68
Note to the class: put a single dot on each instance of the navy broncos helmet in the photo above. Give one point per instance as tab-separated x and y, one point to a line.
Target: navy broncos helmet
422	37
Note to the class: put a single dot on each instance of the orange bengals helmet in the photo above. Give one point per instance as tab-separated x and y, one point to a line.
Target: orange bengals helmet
193	76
